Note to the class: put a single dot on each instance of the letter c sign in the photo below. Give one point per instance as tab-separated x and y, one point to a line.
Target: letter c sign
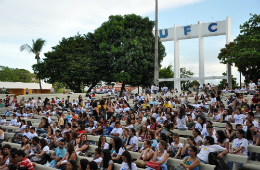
210	27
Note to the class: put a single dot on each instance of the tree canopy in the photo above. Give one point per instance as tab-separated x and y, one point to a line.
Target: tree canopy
72	62
127	45
244	52
16	75
166	72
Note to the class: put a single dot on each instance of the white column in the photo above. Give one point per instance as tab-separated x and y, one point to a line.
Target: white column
177	83
201	55
228	40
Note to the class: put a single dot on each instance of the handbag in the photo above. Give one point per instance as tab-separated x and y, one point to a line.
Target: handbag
140	164
153	165
179	168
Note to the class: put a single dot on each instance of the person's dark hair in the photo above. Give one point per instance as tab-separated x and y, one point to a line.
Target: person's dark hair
209	127
153	119
169	126
148	121
251	114
203	120
74	164
36	139
129	158
151	133
32	128
210	139
93	165
12	167
108	157
241	131
117	123
164	137
229	124
98	150
215	110
82	126
23	123
69	125
182	113
194	148
237	125
148	142
133	131
249	135
84	163
118	144
58	130
94	104
70	148
62	140
20	153
99	141
221	137
43	143
24	136
102	102
13	150
6	146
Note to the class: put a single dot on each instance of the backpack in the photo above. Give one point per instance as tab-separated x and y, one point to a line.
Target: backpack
219	162
102	111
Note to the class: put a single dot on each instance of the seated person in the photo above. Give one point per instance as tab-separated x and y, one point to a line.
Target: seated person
97	156
209	146
58	155
191	161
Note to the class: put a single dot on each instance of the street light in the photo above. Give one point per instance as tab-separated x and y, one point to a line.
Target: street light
156	69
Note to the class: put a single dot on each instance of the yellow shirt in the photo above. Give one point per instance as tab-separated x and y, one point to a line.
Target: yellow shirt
167	105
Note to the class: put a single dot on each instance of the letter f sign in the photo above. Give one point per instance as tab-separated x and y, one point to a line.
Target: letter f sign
186	30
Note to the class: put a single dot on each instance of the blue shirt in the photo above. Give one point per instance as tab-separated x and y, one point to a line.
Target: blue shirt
107	130
153	103
67	117
59	153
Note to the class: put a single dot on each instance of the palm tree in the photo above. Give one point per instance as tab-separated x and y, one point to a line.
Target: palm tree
35	49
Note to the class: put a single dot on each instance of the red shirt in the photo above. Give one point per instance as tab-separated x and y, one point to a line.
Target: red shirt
80	131
27	163
255	100
74	117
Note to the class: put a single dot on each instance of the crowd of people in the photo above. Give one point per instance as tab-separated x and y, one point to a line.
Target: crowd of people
151	120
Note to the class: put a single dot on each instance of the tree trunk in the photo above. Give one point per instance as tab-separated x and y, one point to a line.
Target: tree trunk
40	85
77	89
93	85
122	88
38	59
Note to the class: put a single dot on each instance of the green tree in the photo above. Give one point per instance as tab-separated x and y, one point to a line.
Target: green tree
36	48
127	45
222	82
71	62
16	75
166	72
245	50
185	74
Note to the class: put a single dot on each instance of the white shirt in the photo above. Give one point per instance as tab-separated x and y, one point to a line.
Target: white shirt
239	118
89	129
144	120
216	117
23	126
106	146
33	135
120	151
237	143
134	140
251	86
3	121
181	123
117	130
255	123
124	166
129	127
13	122
46	149
28	134
198	126
198	139
158	119
126	109
205	150
98	160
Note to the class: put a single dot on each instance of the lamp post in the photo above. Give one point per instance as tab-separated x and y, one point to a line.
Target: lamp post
156	70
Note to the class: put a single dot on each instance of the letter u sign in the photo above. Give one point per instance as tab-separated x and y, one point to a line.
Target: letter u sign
165	35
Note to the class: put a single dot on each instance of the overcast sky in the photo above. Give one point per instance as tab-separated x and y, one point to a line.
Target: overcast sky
24	20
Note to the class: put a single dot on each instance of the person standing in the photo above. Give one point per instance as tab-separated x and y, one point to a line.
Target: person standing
27	91
3	90
252	86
